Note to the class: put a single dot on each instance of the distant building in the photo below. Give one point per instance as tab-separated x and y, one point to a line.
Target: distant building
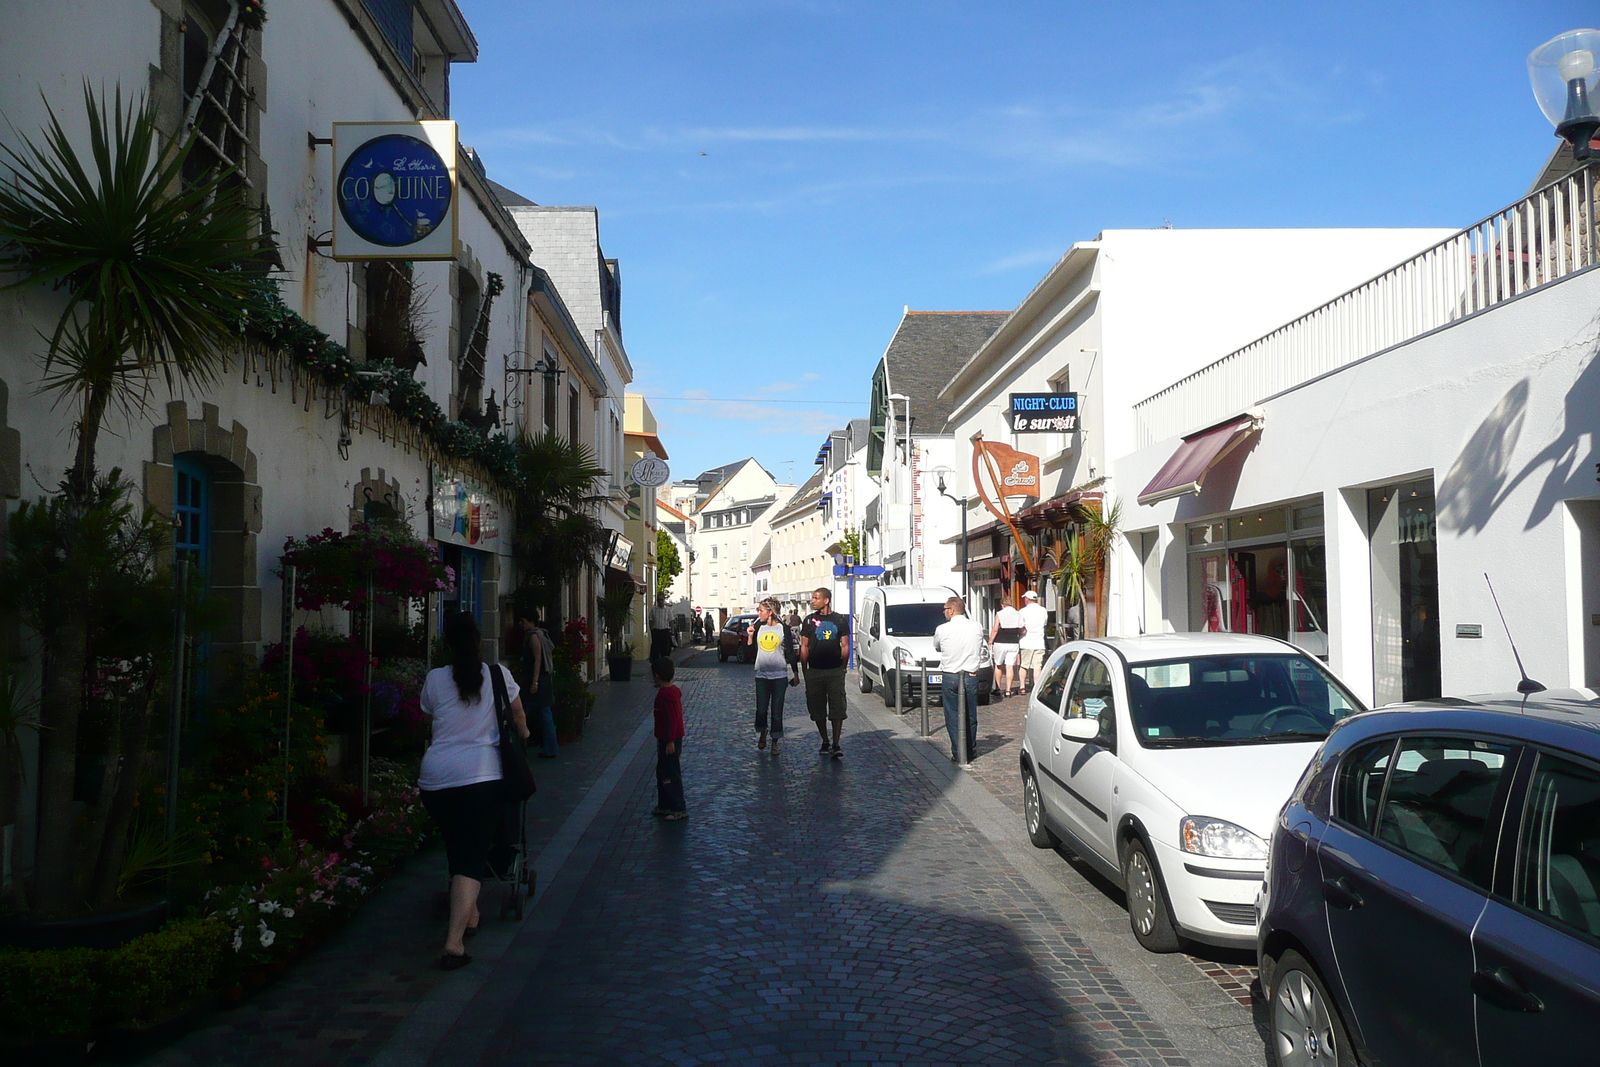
733	513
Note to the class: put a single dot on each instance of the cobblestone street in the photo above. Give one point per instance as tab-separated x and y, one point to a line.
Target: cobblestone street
882	908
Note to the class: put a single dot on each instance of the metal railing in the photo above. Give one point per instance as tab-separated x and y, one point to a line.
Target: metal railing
1547	235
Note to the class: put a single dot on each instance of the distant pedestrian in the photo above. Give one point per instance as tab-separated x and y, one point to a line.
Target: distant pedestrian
538	651
670	804
794	621
777	668
1004	637
711	631
660	628
959	642
1035	620
825	649
460	773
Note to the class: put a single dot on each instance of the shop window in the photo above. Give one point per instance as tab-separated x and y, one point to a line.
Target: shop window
1405	592
1262	571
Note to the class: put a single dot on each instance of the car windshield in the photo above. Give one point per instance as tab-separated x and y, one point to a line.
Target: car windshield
1235	700
914	620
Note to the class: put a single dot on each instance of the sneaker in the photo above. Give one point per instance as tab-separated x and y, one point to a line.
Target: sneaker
675	816
825	749
838	753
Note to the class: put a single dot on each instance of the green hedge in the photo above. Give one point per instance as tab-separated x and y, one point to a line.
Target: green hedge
74	991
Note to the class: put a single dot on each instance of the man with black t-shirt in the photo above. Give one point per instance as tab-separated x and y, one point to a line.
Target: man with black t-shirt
825	649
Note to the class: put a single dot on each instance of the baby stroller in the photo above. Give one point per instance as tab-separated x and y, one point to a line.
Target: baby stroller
513	874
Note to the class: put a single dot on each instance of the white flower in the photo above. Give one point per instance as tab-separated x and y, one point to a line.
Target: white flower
267	936
288	913
238	939
268	906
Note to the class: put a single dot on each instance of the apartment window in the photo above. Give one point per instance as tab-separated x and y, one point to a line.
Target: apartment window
744	550
574	419
549	387
713	551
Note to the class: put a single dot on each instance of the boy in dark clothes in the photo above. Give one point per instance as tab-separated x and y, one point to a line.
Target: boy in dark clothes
669	743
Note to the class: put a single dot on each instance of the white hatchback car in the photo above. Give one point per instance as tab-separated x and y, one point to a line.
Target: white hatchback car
1163	762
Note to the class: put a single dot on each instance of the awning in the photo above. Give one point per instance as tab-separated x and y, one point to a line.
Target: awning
1186	471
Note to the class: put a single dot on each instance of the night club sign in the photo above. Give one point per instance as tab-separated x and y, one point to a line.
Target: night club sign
1043	413
394	190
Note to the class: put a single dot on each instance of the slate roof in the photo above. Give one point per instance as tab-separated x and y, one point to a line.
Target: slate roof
925	353
507	197
764	557
804	499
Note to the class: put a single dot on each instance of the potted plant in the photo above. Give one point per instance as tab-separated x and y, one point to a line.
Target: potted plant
616	609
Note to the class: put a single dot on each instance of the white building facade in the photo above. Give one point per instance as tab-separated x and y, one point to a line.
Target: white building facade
1353	476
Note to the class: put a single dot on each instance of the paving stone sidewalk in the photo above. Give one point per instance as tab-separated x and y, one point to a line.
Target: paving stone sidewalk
810	910
1000	729
344	1000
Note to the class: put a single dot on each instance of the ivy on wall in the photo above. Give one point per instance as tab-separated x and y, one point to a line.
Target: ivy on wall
271	322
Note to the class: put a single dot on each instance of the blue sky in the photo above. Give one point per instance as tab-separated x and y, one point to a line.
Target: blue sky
779	179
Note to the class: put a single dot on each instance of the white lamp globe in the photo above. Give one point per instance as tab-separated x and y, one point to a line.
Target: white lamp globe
1565	76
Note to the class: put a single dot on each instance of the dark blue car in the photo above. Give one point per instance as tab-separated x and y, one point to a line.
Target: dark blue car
1433	889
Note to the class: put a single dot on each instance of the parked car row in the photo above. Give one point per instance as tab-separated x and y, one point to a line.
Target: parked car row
1421	882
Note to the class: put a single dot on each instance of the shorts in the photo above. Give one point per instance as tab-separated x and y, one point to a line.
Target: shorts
480	830
1005	655
1032	659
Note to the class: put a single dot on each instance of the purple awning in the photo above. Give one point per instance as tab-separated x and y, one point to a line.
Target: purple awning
1186	471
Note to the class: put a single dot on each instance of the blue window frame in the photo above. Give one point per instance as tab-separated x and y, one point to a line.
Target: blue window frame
191	508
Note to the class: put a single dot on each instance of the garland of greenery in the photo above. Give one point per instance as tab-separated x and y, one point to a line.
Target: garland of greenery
271	322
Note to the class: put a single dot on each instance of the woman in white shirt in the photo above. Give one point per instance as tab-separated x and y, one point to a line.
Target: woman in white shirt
460	772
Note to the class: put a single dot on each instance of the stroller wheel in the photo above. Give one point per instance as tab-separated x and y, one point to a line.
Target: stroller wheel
530	878
511	907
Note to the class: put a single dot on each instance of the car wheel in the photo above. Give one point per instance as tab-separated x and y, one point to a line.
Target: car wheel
863	682
891	682
722	657
1033	813
1306	1028
1147	901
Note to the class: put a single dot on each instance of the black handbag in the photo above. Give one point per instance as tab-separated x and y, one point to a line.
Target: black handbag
516	777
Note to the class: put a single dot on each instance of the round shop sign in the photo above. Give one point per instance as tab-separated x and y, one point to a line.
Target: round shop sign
394	190
651	471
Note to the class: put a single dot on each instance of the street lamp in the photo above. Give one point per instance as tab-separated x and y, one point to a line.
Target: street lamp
961	502
1564	78
546	367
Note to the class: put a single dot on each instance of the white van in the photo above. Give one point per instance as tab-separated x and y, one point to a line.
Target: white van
894	632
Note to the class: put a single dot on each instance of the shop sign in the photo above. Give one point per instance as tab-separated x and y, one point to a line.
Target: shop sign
621	552
1043	413
394	190
464	512
651	471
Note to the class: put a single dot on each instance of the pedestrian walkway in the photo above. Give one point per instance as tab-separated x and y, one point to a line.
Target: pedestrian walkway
809	911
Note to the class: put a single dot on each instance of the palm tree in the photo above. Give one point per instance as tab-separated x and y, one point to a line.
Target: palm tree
1075	576
557	534
146	258
1101	530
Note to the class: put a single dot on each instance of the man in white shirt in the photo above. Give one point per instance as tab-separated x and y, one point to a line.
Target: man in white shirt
959	642
660	629
1035	620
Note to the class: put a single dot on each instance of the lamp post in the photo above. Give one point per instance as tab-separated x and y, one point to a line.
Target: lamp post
961	502
1564	78
546	366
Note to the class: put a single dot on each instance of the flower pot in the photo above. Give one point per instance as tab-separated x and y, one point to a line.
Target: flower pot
621	667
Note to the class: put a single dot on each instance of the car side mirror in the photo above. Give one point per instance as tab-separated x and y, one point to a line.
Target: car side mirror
1080	729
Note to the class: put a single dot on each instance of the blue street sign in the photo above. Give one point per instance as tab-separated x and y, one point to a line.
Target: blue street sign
860	570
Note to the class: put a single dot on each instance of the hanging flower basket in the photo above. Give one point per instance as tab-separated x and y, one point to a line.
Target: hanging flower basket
334	568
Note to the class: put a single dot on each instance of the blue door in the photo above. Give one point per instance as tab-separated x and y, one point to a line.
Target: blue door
191	514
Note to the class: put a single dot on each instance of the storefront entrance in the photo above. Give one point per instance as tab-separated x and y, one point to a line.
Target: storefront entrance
1405	592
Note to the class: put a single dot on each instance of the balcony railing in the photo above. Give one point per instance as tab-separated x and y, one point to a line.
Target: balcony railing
1543	237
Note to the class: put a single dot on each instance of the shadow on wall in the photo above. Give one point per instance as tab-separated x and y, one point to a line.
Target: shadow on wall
1481	479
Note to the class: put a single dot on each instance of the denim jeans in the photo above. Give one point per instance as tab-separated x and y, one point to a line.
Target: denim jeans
669	776
770	693
952	711
544	700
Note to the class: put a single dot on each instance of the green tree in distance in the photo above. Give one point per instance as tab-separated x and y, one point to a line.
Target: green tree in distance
668	563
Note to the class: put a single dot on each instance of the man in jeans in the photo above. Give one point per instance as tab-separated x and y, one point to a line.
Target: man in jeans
959	643
825	649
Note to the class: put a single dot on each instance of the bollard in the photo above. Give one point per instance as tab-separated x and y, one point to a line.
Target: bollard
962	755
898	710
922	665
